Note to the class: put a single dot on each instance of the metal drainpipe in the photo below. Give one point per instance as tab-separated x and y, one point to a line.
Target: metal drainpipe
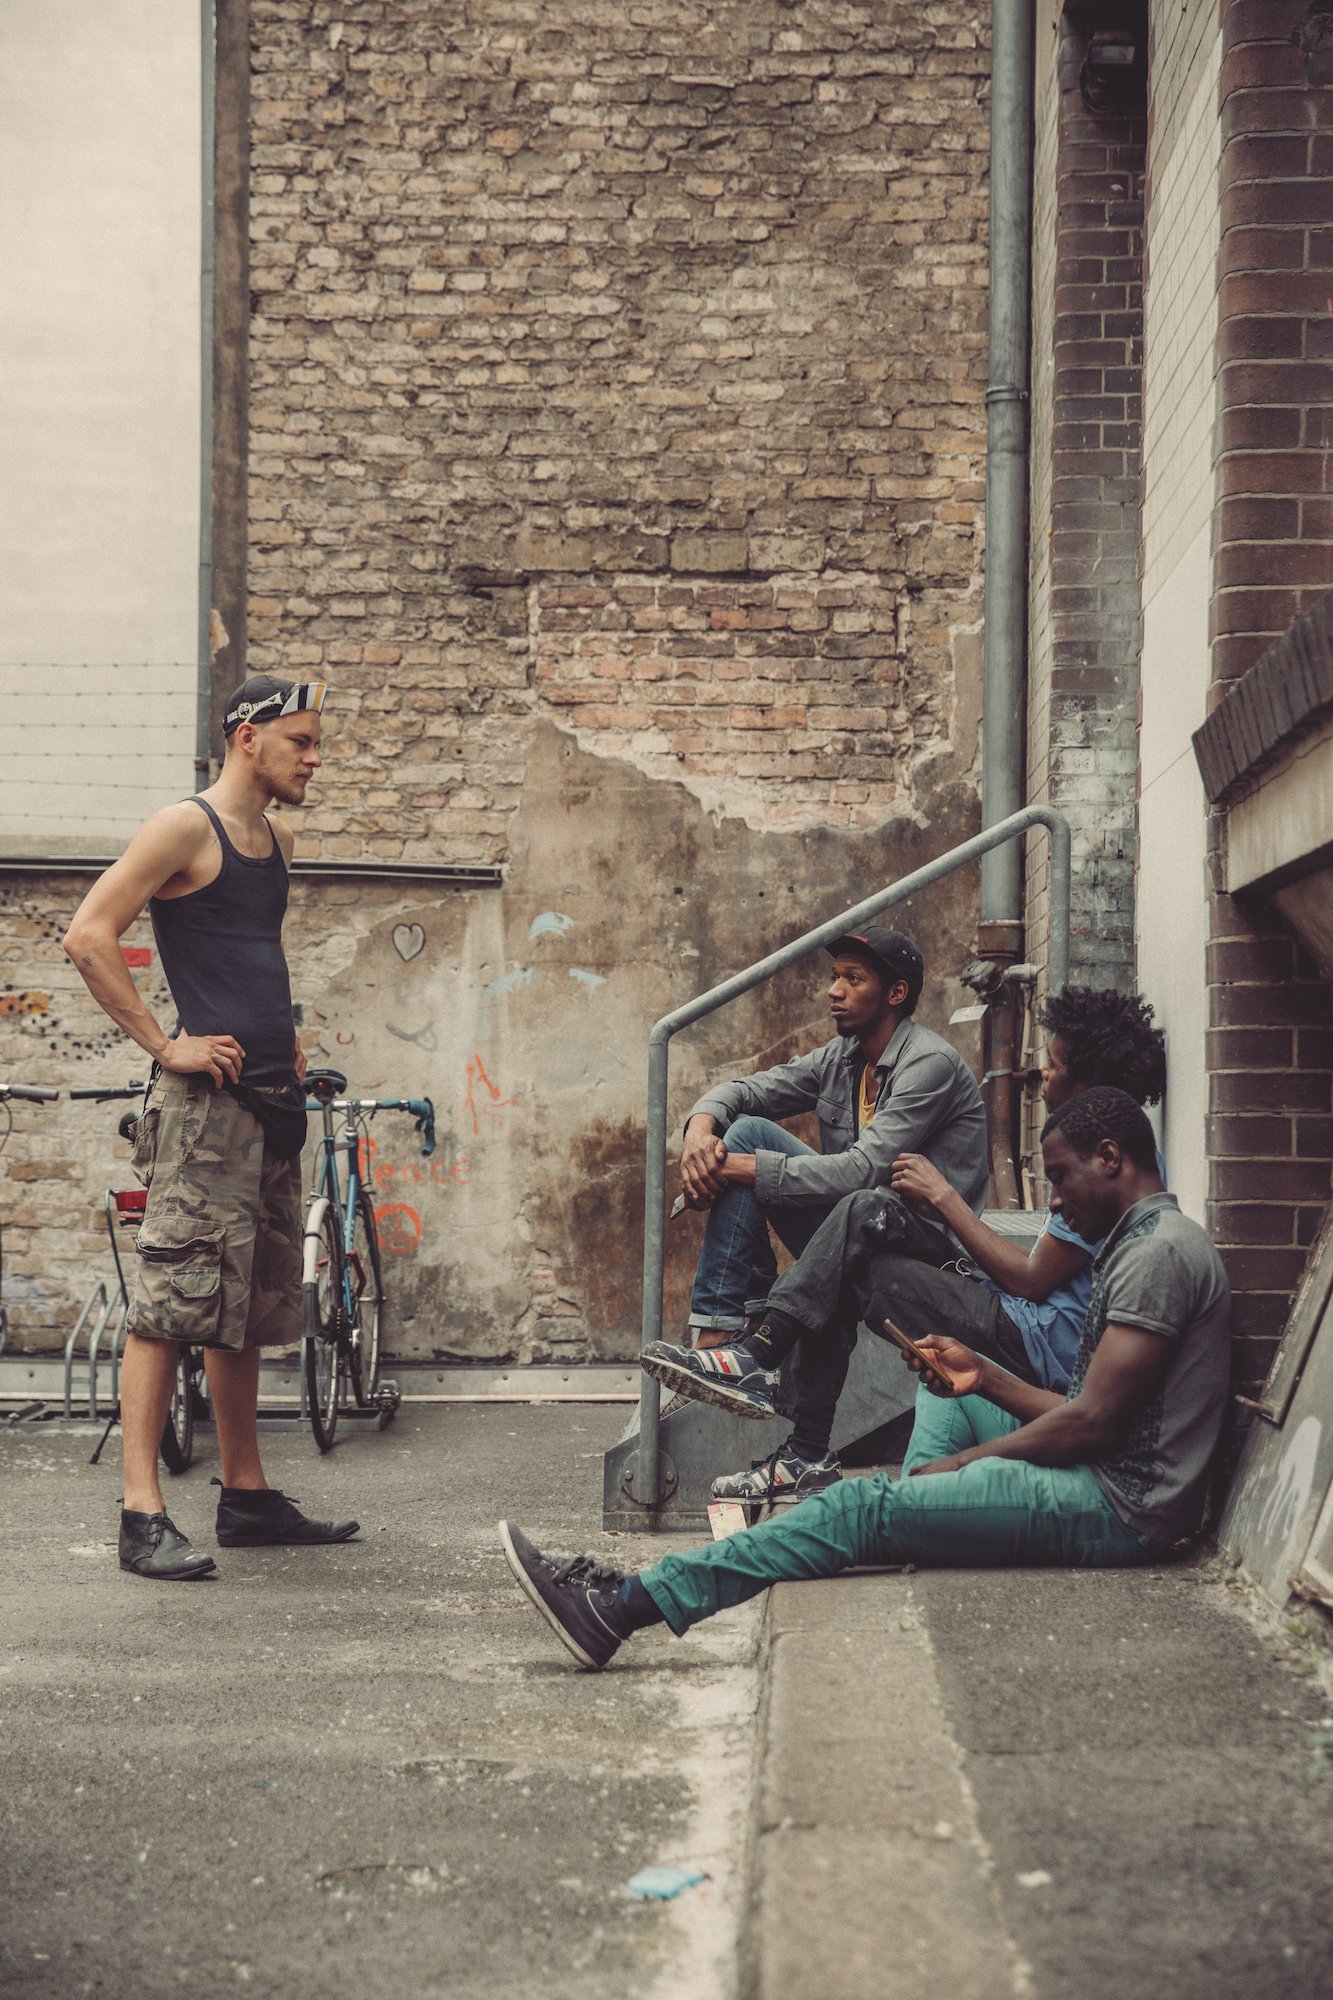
203	720
1004	695
1004	690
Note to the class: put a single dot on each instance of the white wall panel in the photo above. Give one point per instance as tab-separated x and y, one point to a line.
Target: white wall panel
100	108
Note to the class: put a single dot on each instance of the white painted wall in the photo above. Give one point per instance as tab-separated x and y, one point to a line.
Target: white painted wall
1180	323
100	227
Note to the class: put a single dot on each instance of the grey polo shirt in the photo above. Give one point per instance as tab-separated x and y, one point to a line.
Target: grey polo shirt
1158	1270
928	1103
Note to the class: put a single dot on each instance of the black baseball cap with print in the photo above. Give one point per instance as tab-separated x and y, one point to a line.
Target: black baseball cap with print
263	698
892	951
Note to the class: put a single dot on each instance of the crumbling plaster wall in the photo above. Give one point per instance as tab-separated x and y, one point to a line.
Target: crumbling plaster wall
616	454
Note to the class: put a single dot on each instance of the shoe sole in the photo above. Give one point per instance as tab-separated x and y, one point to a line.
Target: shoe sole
538	1602
793	1493
673	1375
195	1575
287	1541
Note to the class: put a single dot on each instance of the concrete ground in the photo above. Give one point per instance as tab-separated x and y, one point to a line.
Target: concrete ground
363	1771
371	1771
1041	1785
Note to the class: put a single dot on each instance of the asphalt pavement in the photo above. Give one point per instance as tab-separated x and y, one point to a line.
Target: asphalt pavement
362	1771
370	1771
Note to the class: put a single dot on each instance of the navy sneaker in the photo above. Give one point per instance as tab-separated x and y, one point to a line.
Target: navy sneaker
725	1376
780	1476
578	1597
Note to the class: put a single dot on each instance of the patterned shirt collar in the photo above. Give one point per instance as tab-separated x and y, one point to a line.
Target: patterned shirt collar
1128	1220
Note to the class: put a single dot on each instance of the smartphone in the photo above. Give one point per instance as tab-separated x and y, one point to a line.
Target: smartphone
918	1354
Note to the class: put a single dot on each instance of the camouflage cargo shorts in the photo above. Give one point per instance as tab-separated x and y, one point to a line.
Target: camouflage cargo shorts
219	1261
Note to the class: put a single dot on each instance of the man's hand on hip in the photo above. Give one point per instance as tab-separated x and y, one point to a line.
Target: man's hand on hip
218	1056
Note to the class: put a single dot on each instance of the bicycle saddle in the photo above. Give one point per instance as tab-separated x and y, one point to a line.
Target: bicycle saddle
325	1084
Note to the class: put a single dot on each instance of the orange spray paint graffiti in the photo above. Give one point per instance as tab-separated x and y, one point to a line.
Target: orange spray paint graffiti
493	1104
25	1003
398	1228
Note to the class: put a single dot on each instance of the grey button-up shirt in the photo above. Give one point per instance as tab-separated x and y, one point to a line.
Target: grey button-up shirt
928	1103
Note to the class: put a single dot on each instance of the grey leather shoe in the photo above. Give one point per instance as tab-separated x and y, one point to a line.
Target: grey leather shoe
151	1545
249	1520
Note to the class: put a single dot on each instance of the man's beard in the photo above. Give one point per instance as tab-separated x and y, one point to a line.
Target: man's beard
291	791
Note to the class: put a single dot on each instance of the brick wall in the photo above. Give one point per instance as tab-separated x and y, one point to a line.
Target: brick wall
615	451
1270	1040
1083	733
680	312
1180	328
1036	892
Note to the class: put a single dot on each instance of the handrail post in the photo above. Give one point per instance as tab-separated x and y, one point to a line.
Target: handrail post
646	1483
1062	869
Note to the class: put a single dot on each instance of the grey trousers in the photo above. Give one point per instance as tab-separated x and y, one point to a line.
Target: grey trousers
867	1261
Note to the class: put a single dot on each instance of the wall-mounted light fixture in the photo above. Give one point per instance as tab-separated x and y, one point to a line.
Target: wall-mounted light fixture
1112	77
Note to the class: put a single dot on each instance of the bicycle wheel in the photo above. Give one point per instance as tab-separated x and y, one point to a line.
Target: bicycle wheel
323	1343
178	1431
365	1347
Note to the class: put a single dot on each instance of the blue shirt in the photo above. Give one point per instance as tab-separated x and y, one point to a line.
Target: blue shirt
1052	1327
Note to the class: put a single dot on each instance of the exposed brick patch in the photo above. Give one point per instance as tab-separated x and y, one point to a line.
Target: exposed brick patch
794	681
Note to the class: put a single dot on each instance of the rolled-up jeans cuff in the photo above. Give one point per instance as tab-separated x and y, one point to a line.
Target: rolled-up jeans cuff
753	1307
716	1322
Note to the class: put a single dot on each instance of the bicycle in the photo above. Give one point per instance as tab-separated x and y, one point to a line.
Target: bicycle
123	1208
341	1281
20	1093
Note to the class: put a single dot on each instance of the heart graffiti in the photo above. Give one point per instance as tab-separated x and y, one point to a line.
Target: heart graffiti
408	940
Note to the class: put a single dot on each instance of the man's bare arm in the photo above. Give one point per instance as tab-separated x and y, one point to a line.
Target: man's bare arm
1051	1263
167	845
1123	1376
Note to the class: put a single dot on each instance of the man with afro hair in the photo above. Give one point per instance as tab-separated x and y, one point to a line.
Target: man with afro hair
1022	1309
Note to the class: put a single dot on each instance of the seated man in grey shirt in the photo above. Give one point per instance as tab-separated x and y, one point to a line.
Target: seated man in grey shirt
999	1472
882	1087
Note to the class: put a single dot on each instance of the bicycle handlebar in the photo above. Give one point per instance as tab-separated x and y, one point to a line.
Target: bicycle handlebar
105	1092
30	1093
421	1108
423	1121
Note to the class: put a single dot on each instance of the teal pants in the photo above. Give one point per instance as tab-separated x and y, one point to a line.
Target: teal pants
995	1511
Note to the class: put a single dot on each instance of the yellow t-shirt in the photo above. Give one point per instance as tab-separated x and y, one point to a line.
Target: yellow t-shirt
865	1109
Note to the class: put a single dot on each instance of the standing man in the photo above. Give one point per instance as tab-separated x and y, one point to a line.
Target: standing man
220	1139
882	1087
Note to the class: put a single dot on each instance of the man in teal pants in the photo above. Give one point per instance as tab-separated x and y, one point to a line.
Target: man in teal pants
999	1472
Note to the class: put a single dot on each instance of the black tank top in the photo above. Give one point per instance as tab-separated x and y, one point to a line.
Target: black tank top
221	950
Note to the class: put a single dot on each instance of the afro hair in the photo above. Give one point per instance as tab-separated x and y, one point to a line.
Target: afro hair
1108	1038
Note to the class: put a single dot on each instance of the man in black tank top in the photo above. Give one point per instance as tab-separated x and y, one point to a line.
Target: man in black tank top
218	1145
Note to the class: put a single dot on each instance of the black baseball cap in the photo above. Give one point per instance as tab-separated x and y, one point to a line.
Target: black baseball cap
263	698
892	951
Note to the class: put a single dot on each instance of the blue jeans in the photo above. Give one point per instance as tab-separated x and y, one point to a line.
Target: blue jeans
994	1512
736	1263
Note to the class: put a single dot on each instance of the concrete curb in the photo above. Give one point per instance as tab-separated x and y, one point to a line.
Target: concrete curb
869	1877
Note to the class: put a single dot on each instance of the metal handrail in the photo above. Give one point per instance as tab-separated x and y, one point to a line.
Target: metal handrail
646	1485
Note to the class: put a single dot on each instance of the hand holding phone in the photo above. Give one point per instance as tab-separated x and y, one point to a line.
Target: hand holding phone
947	1367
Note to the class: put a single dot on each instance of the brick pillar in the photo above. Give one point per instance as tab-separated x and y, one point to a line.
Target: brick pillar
1094	518
1270	1054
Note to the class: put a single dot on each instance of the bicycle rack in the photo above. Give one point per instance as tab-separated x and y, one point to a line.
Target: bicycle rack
123	1210
97	1310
